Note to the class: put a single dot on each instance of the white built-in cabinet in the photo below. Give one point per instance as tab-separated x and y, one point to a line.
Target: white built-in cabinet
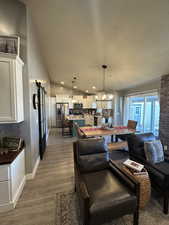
12	181
11	89
88	101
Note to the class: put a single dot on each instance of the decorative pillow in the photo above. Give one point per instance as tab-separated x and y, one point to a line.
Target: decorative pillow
154	151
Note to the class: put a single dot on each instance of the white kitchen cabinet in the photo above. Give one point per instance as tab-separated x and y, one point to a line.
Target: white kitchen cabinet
12	181
94	105
11	89
87	102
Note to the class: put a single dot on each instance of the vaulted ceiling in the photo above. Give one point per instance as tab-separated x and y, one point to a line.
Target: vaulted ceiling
78	36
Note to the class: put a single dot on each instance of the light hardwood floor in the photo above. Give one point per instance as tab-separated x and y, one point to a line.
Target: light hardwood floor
36	205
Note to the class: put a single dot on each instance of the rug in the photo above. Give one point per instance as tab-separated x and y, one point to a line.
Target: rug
67	213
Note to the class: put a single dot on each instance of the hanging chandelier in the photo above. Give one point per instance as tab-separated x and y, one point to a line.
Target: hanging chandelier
73	83
103	94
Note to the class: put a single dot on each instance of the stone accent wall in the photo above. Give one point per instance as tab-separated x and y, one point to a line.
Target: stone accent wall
164	110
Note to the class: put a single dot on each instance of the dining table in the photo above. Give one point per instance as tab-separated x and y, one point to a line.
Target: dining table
105	131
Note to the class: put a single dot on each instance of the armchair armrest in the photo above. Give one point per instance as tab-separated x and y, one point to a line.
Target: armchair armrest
130	181
80	184
83	190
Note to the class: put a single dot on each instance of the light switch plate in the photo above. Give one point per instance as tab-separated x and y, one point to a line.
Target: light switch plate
165	148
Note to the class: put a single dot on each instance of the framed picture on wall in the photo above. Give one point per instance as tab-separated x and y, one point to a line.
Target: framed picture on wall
10	45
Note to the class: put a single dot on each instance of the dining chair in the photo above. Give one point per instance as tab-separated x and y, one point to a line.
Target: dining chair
132	124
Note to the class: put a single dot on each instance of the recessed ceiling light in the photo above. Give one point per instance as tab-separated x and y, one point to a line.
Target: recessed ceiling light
87	91
74	87
62	82
94	87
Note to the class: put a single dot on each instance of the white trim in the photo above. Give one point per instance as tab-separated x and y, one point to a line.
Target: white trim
6	207
31	176
47	135
11	205
19	191
142	92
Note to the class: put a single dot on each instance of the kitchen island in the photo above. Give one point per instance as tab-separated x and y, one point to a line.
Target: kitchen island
76	119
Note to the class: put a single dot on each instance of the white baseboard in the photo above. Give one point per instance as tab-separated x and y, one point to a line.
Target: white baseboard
6	207
11	205
19	191
31	176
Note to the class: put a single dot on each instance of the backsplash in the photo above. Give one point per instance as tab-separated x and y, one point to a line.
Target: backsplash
10	130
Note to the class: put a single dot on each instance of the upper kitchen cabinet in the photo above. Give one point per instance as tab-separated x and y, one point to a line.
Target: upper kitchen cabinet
11	89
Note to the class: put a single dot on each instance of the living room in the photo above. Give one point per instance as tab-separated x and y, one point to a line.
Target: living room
84	128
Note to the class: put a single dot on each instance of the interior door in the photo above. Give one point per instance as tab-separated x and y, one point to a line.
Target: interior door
41	119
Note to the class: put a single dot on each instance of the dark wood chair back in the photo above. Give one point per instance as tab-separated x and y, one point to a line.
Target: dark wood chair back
132	124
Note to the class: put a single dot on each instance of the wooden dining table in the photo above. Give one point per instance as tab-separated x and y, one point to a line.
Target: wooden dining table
98	131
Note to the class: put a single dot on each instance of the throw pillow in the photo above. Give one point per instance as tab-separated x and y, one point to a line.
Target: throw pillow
154	151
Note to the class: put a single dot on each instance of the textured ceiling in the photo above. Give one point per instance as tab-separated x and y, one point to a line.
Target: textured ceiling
78	36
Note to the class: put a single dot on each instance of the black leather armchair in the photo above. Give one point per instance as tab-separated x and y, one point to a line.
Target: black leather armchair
105	192
159	172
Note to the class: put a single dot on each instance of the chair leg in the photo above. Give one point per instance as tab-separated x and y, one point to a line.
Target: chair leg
165	204
136	217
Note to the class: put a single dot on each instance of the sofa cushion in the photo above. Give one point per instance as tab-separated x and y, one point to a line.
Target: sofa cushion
154	151
136	143
93	162
159	174
91	146
108	196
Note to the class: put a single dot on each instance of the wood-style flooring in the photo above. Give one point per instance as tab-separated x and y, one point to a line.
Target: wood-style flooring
36	205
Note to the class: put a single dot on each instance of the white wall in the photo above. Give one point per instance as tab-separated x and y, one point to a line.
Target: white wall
36	71
58	89
13	22
144	87
53	111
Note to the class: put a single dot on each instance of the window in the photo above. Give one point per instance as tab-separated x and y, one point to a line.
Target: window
145	110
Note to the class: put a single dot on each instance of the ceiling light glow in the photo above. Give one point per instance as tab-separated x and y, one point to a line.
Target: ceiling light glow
111	96
104	97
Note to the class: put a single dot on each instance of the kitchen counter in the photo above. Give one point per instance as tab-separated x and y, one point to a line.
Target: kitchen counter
75	118
8	158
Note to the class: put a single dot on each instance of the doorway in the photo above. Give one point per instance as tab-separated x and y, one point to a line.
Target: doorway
62	109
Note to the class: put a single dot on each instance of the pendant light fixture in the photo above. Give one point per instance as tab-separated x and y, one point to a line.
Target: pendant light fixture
104	95
73	85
